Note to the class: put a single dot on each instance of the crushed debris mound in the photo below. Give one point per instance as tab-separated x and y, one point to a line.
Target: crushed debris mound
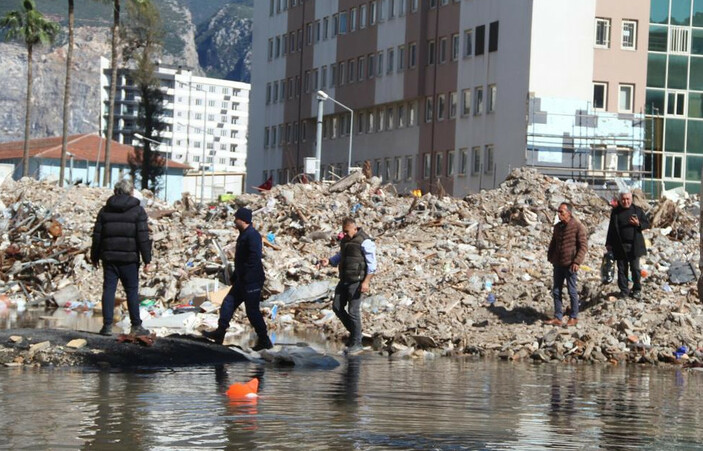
456	276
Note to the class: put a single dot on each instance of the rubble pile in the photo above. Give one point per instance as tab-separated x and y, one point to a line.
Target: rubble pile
455	275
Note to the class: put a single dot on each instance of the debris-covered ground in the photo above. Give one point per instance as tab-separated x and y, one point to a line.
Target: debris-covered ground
438	259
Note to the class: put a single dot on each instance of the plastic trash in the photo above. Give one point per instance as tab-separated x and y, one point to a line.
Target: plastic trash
681	352
274	312
356	208
667	288
607	268
271	237
491	298
488	285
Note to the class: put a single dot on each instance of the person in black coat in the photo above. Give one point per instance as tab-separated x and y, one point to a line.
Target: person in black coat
248	281
626	242
120	239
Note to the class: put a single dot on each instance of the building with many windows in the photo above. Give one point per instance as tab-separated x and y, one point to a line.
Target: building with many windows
449	95
674	98
206	125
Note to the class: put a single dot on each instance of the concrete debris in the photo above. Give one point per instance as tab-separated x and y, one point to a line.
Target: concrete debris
455	275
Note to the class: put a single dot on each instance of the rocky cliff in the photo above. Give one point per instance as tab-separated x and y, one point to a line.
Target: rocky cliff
225	53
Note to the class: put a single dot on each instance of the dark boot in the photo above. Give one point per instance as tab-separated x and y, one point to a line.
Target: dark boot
139	331
217	335
262	343
354	349
106	330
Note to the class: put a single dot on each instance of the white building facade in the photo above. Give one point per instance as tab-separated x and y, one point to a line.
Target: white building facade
206	125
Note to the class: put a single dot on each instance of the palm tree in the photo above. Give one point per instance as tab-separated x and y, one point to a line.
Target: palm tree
67	91
113	88
30	26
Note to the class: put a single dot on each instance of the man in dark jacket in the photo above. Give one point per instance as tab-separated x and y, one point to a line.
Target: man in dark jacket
120	238
626	242
356	260
567	249
248	281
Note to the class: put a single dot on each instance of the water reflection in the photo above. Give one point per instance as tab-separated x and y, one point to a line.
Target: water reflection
366	403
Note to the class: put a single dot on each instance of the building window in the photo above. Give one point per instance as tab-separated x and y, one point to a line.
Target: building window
438	164
678	39
600	96
361	68
372	13
602	32
428	109
478	101
598	158
426	165
468	42
343	22
453	98
412	55
381	123
430	51
629	34
412	118
442	50
492	92
266	137
675	105
379	69
408	168
625	98
475	160
480	40
390	118
398	171
414	5
352	19
387	170
441	105
488	160
466	102
350	71
455	47
390	59
401	57
463	161
362	16
401	116
673	166
371	67
450	163
624	160
493	37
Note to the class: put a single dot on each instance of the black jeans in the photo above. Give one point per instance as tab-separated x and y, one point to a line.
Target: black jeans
562	273
633	263
250	296
128	274
347	307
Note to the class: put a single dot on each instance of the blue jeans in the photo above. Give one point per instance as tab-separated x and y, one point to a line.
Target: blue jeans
250	296
347	307
562	273
128	274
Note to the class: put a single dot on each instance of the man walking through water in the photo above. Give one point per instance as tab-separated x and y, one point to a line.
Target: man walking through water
248	281
356	260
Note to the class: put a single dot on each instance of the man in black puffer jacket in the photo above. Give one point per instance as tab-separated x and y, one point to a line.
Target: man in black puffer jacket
120	238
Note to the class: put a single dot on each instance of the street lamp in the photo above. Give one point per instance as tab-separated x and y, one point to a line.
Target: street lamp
158	143
321	97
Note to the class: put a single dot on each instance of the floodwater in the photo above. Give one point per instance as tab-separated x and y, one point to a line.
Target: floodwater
366	403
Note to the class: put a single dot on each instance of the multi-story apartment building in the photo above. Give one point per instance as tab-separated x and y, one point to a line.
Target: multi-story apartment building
450	94
674	102
206	125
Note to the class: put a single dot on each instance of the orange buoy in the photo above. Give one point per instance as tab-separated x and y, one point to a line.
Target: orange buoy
247	390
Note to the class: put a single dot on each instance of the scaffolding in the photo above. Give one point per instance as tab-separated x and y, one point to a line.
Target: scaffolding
601	160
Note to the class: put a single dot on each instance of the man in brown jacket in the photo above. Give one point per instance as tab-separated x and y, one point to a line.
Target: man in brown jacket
566	252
